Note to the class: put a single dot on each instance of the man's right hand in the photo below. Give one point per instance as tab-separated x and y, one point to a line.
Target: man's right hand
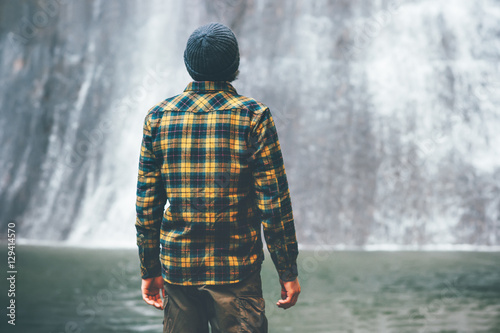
289	294
151	289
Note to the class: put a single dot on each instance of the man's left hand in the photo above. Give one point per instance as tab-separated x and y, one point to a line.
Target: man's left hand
289	293
151	291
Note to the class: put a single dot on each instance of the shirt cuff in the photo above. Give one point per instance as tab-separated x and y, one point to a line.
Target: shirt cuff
289	274
151	272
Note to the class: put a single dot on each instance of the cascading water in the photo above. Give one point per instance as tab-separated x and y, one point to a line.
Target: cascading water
386	112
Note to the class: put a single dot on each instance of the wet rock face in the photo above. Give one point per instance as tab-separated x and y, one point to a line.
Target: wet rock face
386	113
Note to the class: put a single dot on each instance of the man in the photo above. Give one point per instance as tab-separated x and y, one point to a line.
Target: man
215	156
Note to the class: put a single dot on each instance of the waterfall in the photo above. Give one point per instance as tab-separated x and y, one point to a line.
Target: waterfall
386	112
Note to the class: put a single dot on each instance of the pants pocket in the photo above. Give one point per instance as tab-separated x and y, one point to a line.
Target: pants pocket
168	316
252	314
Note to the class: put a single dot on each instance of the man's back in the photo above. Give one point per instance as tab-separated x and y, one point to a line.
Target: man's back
223	174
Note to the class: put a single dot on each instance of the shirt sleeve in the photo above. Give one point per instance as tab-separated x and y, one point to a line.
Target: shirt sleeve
150	204
272	195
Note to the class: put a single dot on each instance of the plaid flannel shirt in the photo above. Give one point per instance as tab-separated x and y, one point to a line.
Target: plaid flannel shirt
215	156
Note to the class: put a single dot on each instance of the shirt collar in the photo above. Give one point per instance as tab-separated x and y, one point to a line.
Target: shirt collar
208	86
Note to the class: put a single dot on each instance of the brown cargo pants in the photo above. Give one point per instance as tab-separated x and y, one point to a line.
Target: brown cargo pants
236	307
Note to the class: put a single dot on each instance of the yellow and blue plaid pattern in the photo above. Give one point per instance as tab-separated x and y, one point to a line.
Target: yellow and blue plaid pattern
215	156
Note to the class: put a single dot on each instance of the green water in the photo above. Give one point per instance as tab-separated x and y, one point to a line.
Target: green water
93	290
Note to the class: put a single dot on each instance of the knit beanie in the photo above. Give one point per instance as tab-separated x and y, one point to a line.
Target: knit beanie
212	53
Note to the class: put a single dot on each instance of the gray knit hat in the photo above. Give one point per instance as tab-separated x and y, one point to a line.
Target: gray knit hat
212	53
